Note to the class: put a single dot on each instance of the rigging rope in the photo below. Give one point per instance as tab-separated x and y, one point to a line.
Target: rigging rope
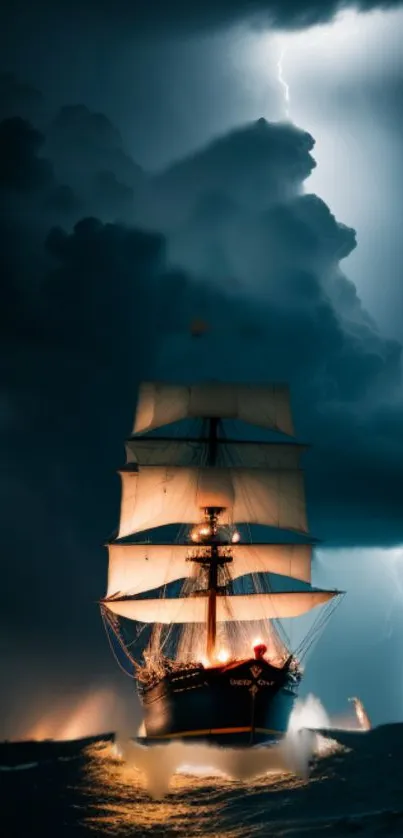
106	623
318	627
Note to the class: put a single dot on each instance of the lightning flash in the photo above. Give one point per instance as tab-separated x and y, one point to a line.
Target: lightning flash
283	82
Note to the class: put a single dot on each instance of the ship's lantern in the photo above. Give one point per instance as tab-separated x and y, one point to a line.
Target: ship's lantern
205	530
223	656
259	650
200	532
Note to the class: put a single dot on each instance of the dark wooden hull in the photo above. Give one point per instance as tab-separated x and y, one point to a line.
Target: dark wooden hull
243	703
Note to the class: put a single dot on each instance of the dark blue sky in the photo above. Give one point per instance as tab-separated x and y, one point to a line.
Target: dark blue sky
109	252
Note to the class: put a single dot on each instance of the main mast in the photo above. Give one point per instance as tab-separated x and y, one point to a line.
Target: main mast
212	513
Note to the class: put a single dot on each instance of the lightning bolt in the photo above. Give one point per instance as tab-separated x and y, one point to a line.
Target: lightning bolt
282	82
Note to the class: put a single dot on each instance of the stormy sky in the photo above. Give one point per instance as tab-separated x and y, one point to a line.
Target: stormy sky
149	177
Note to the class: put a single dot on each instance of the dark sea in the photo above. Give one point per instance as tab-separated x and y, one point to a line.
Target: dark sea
351	785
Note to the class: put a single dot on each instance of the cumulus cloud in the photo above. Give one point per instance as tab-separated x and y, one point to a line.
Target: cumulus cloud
238	167
83	143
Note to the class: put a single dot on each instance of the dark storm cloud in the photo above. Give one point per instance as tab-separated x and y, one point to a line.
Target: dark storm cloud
82	143
87	151
176	15
238	167
18	98
87	340
79	327
21	169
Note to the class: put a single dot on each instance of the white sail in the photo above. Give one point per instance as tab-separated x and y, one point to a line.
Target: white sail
184	452
136	568
244	607
265	405
291	560
154	496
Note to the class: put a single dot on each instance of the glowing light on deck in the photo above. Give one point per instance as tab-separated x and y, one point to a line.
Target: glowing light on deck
202	531
205	530
223	656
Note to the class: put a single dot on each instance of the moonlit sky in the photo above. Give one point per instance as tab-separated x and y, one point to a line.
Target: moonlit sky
170	89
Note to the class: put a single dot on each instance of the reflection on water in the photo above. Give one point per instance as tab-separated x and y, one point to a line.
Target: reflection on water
194	798
206	791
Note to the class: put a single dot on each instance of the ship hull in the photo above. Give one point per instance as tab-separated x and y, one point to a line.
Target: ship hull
238	705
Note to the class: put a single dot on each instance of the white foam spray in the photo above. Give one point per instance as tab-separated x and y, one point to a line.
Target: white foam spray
159	763
292	755
308	713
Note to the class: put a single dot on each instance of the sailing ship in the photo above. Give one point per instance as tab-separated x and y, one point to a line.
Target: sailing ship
212	562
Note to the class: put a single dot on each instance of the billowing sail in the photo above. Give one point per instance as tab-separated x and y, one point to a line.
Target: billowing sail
265	405
188	452
136	568
242	607
192	461
154	496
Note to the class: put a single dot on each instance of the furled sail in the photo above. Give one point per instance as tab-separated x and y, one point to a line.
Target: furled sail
154	496
185	452
243	607
136	568
265	405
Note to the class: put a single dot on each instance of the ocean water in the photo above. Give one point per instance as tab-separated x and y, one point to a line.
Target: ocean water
338	784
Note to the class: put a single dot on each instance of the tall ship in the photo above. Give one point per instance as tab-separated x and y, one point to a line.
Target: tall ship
211	565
